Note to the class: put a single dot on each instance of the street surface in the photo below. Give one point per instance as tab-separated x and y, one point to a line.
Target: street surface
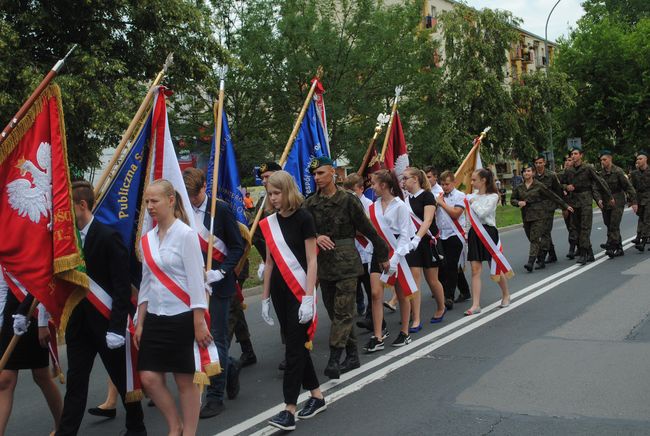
568	357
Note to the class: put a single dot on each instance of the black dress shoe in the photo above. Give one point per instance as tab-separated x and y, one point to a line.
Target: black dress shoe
247	358
211	408
313	407
449	304
462	297
365	324
232	380
104	413
284	421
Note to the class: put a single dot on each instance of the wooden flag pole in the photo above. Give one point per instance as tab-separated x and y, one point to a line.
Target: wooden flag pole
381	121
292	138
14	341
32	98
398	91
218	118
132	126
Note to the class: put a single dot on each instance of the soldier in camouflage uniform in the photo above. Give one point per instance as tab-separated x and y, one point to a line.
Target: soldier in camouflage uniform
532	197
641	182
549	179
622	193
584	183
568	197
339	215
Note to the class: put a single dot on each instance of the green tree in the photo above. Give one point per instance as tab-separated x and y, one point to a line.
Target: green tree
122	45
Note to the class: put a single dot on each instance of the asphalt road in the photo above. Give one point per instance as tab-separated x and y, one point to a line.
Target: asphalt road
569	356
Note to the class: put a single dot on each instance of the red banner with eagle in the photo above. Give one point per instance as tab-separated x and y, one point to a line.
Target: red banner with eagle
39	245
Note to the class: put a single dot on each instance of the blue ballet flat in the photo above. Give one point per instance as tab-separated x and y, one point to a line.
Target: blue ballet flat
415	329
435	320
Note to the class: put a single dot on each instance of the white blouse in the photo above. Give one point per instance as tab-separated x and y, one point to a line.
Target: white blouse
182	261
364	253
398	217
485	207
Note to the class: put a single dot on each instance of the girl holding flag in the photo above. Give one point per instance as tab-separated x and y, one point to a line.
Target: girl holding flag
483	239
171	309
289	280
391	218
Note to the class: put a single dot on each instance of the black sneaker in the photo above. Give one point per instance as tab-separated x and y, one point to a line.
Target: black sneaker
402	339
373	345
284	421
313	407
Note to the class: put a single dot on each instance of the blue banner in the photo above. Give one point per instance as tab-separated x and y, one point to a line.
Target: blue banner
229	187
119	208
310	143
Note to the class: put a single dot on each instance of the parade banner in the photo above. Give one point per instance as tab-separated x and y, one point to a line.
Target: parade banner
396	157
471	163
40	247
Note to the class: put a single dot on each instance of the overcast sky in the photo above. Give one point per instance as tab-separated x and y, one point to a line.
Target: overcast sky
534	13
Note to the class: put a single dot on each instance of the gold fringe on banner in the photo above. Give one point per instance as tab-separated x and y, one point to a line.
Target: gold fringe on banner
212	369
134	396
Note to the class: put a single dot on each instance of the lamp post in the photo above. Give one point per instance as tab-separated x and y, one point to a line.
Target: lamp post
547	63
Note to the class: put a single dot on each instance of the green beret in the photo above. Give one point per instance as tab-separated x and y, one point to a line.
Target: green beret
527	165
604	152
575	148
268	166
540	156
642	152
318	162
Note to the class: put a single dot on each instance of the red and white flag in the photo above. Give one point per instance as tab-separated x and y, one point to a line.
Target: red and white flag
396	157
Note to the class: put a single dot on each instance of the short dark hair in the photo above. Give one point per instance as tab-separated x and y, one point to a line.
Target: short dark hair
83	190
432	170
194	179
352	181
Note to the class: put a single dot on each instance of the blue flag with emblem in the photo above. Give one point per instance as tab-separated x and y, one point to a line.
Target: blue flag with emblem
310	143
119	207
229	184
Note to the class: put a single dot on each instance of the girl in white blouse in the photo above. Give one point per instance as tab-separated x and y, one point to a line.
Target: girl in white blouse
167	327
397	217
484	205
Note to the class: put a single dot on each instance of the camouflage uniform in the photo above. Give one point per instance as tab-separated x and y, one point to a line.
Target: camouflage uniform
340	217
587	186
568	220
641	183
534	214
552	183
621	189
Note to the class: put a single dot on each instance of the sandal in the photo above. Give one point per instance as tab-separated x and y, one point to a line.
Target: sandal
470	312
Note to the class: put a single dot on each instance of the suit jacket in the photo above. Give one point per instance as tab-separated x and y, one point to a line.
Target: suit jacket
107	263
226	229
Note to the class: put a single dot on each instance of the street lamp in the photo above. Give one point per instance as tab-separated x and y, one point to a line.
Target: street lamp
547	63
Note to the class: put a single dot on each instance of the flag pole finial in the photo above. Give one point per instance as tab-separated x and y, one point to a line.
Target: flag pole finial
168	61
60	63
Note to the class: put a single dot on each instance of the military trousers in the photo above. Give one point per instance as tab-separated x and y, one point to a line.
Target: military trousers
237	324
534	232
340	300
546	237
571	228
582	218
612	218
643	227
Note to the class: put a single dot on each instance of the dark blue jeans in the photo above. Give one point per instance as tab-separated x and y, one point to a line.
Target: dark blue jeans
219	309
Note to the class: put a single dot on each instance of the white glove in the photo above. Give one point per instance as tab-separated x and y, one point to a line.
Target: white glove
392	264
21	324
113	340
266	307
213	276
260	271
306	310
43	316
415	240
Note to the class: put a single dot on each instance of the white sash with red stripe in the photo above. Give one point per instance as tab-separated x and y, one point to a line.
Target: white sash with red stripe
287	263
99	298
403	275
418	223
499	264
460	234
219	251
206	359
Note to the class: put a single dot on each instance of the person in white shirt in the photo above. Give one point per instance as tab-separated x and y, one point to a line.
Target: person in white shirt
484	205
432	177
165	322
398	223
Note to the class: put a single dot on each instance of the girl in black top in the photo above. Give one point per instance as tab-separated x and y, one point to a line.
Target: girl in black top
424	255
299	232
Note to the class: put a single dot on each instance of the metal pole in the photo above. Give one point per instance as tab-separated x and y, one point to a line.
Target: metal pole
547	63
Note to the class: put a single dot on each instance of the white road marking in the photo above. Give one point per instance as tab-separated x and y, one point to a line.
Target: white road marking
487	314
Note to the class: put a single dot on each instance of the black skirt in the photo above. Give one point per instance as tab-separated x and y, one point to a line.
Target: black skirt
425	255
476	250
28	353
167	343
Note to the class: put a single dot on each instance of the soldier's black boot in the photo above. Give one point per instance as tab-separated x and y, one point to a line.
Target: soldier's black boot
530	264
248	356
639	244
604	246
572	251
590	255
333	368
552	257
351	360
541	263
619	251
582	257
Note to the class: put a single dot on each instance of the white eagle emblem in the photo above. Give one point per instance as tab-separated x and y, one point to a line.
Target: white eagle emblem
34	199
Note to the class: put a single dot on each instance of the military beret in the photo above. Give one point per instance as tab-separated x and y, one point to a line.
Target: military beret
318	162
642	152
604	152
540	156
575	147
527	165
268	166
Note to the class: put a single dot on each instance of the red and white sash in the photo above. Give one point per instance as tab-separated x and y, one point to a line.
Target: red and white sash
292	272
206	360
403	275
500	264
219	249
460	234
418	223
99	298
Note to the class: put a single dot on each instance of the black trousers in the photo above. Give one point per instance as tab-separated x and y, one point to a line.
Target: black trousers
299	368
364	282
453	276
85	338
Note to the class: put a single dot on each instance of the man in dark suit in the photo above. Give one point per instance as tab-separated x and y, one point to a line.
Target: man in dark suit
222	280
89	332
